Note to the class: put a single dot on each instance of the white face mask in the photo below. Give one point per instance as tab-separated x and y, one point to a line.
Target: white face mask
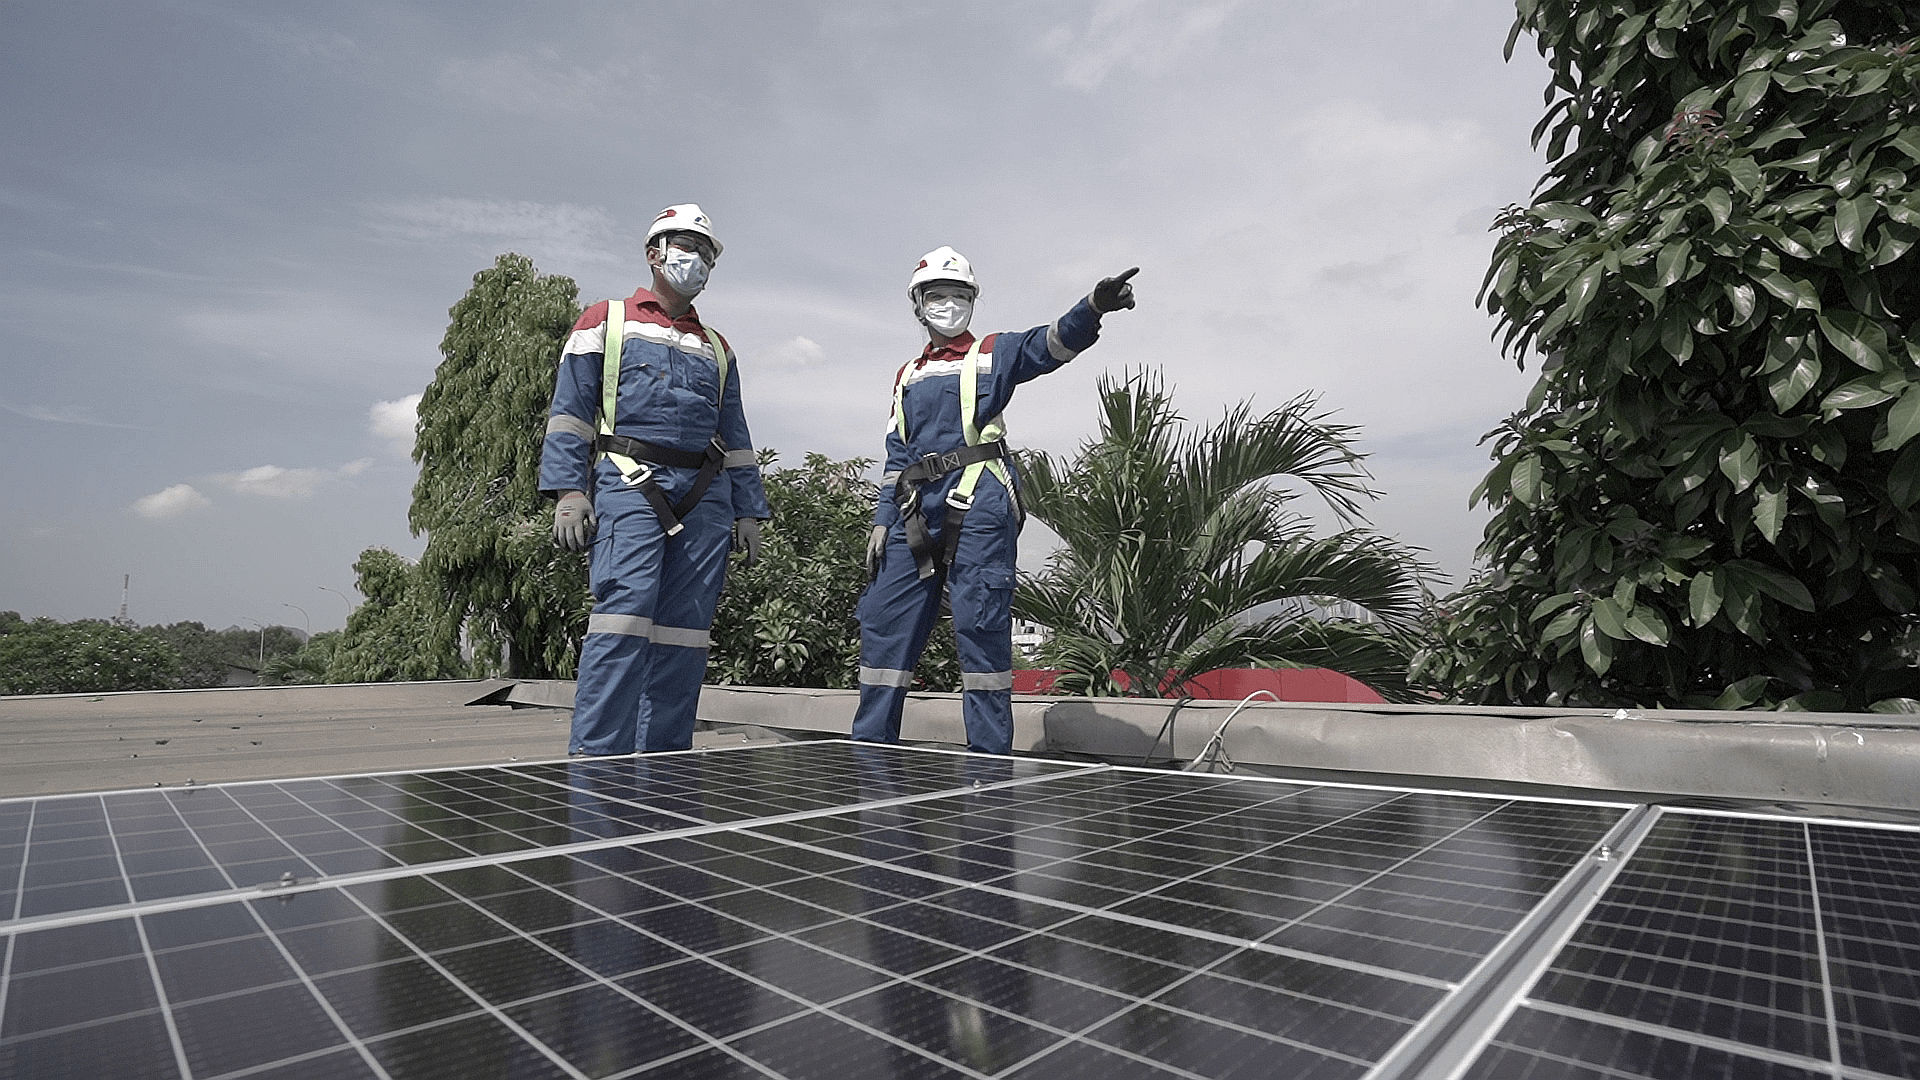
684	271
947	315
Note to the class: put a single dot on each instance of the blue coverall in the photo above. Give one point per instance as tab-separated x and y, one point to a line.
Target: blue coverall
645	653
898	608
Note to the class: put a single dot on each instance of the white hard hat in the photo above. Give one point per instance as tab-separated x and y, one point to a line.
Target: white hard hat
941	264
684	217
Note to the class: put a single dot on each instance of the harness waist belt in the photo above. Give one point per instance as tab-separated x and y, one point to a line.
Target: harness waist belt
641	450
935	466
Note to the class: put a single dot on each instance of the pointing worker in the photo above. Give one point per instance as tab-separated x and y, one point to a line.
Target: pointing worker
949	509
648	454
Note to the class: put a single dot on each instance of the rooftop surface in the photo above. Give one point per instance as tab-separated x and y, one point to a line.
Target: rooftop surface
825	908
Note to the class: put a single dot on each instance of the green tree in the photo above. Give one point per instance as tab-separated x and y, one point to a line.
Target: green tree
489	555
1181	555
400	633
307	664
88	656
1710	495
791	620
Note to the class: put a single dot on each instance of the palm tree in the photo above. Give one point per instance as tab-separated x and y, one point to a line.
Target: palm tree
1181	556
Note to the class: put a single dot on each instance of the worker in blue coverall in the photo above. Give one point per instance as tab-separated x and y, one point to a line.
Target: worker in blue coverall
657	476
949	512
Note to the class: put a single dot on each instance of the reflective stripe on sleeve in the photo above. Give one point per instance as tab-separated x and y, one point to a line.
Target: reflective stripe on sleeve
888	480
986	680
885	676
683	637
560	423
1057	348
739	459
603	622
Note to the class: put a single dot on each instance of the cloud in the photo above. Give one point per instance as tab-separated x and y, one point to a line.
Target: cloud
556	233
393	421
63	416
277	482
170	502
798	351
1149	36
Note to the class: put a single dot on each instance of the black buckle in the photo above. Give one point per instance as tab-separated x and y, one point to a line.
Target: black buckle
942	464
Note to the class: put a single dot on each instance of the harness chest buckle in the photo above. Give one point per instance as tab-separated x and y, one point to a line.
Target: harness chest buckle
639	476
959	500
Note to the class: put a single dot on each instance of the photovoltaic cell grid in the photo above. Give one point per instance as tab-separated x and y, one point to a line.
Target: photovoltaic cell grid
1735	947
856	911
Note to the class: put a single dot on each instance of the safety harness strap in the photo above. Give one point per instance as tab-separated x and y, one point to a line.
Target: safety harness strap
985	449
635	458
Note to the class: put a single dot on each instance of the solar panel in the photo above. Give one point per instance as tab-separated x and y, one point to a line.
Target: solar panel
847	910
1736	946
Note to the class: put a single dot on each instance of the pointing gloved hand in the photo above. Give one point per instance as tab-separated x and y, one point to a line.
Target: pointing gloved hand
573	521
876	550
746	537
1114	293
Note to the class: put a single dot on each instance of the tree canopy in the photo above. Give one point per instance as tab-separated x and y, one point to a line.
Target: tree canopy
791	620
399	632
489	557
1182	554
1710	495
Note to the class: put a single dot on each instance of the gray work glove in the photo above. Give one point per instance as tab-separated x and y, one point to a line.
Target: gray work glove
876	550
746	537
573	521
1114	293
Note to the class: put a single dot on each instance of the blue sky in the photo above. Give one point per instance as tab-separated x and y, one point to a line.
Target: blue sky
233	231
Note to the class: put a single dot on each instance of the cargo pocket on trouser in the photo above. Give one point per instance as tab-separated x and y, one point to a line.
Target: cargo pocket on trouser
983	599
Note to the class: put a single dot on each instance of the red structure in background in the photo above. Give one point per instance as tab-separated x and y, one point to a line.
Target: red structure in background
1233	684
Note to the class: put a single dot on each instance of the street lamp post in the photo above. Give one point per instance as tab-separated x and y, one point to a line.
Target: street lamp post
262	661
303	616
343	599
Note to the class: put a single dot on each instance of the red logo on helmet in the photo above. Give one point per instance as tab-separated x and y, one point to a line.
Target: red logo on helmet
922	266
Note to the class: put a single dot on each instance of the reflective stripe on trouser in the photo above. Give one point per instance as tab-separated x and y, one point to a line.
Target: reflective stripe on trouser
897	613
645	654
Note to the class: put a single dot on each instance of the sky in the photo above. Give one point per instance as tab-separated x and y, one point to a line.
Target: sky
232	232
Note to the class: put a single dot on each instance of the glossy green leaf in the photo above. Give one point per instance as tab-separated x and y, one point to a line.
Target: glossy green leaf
1908	143
1581	294
1704	595
1791	383
1595	648
1748	89
1720	204
1550	605
1743	693
1742	297
1770	512
1903	421
1648	625
1895	705
1609	618
1525	481
1562	625
1772	582
1858	338
1797	293
1671	263
1850	221
1858	394
1740	461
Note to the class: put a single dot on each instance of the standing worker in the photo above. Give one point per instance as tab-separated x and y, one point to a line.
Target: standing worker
648	419
949	512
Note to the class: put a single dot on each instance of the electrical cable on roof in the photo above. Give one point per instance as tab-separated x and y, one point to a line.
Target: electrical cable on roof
1216	749
1166	729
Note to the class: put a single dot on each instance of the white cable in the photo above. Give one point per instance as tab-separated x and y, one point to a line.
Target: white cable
1216	748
